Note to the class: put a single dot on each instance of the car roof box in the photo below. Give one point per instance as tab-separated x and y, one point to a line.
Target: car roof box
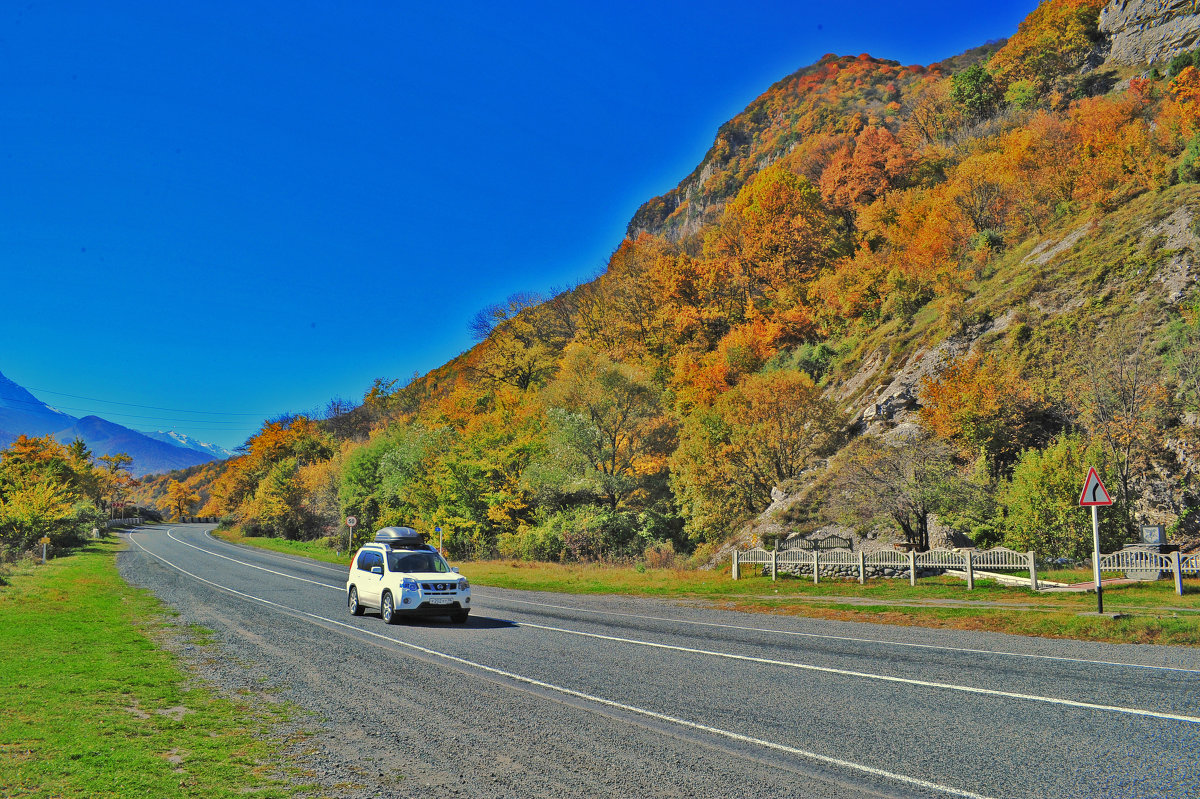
399	537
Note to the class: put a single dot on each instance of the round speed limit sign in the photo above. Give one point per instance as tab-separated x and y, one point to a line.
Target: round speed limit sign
351	521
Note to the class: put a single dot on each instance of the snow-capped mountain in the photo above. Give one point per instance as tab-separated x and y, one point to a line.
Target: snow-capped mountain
184	440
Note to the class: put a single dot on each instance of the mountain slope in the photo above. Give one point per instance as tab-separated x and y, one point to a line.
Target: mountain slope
21	413
149	456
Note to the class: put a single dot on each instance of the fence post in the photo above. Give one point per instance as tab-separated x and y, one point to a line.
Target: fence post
1177	568
912	567
970	570
816	566
862	567
1033	584
774	563
735	565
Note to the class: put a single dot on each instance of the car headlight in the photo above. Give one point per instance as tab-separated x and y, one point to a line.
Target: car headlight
463	584
409	584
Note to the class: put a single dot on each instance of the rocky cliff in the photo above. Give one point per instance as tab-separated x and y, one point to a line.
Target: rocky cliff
1150	31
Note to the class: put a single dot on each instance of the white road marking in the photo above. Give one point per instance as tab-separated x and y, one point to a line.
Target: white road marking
794	664
850	639
869	676
171	535
833	761
825	636
294	558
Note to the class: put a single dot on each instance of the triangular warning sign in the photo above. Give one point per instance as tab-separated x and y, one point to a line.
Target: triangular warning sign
1094	492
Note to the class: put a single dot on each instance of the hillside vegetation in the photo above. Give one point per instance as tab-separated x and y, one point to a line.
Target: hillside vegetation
889	293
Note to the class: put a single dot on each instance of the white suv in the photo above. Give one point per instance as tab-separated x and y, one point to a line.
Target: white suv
405	578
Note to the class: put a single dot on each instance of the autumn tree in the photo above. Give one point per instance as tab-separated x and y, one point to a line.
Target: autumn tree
181	498
610	435
773	239
520	341
1050	43
861	174
984	405
43	493
116	480
758	435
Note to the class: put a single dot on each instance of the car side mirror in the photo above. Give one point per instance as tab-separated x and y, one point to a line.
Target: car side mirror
454	569
377	570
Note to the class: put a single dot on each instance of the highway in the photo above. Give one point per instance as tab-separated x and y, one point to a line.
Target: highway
576	696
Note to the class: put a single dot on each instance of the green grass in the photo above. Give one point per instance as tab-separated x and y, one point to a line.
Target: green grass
91	705
1155	613
317	550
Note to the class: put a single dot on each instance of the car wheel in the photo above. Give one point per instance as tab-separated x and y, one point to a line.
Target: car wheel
460	618
352	602
387	608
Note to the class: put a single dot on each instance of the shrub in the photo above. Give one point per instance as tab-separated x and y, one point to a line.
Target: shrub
544	542
1189	165
660	555
1041	501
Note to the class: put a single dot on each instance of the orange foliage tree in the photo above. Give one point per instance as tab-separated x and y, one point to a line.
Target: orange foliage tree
983	405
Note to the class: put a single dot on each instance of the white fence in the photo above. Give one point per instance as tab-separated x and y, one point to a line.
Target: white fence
843	562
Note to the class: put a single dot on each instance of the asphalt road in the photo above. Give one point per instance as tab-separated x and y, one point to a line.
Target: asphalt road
575	696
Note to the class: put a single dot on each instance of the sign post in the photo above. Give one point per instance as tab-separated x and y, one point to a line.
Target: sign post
350	522
1093	496
44	541
438	530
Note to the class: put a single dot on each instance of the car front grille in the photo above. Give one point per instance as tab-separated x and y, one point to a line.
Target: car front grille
439	588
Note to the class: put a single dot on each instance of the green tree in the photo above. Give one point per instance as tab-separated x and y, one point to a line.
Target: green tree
905	479
1041	501
608	430
975	92
1122	400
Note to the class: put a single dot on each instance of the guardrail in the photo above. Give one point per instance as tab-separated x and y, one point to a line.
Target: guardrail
843	562
132	521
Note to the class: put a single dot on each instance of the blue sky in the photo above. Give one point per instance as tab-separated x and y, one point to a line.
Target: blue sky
236	210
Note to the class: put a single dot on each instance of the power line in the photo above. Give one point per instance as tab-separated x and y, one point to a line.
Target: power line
137	416
150	407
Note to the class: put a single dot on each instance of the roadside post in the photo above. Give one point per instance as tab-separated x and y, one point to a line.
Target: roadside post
350	522
441	551
44	541
1093	496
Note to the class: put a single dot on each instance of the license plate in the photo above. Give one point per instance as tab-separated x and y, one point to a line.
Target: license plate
440	600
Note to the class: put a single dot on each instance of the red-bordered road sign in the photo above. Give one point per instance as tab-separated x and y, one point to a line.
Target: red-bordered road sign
1094	492
351	521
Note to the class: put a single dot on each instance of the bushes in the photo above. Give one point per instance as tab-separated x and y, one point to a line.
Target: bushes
1042	501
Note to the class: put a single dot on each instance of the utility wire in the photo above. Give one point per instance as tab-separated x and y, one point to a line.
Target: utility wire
150	407
134	416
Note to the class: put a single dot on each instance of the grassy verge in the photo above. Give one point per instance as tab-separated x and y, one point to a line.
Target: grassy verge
1155	614
317	550
91	706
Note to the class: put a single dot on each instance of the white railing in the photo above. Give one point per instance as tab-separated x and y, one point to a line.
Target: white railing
128	522
964	562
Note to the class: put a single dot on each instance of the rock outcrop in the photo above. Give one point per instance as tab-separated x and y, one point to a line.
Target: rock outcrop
1150	31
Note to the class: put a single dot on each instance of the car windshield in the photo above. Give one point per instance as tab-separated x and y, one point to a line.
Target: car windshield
416	562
